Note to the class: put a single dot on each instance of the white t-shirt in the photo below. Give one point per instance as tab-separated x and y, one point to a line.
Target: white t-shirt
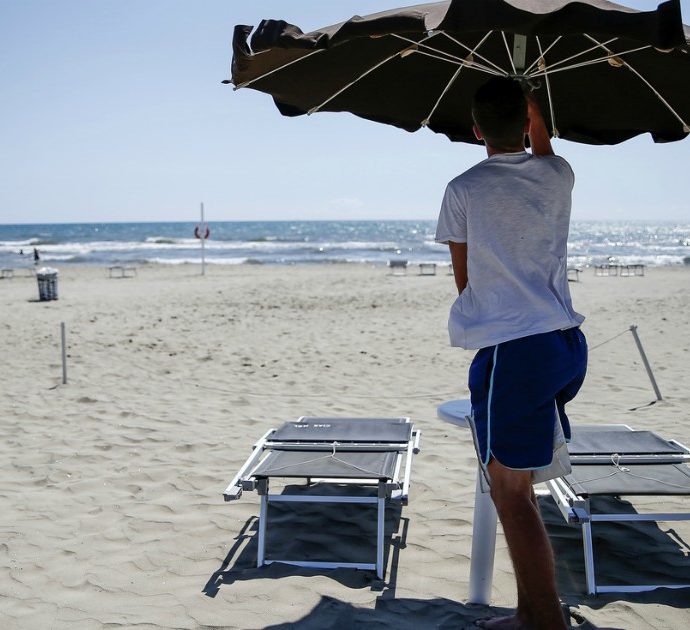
513	211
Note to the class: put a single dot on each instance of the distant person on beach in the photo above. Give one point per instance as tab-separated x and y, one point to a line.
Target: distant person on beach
506	222
37	257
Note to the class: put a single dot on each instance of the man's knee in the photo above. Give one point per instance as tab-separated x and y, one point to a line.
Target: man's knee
510	489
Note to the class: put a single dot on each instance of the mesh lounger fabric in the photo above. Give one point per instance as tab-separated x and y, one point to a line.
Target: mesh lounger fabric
638	480
587	442
344	465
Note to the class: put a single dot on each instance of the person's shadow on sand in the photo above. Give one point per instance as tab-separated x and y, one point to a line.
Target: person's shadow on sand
404	613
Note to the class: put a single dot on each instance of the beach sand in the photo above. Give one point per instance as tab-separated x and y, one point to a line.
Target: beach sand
111	490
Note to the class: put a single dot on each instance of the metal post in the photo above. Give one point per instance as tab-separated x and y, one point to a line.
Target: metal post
263	517
64	353
202	232
633	330
380	528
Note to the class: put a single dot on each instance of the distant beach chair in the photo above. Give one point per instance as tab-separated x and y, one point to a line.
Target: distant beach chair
606	270
574	274
614	461
450	269
632	270
6	273
397	267
347	458
427	269
122	271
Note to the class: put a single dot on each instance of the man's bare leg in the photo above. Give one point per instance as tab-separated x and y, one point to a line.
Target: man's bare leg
538	604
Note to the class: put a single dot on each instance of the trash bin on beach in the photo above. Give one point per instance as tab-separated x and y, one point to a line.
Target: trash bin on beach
47	284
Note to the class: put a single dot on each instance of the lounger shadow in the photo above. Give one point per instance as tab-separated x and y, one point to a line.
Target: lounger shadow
610	462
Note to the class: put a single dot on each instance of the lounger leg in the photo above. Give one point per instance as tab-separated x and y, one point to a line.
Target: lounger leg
483	546
589	558
381	521
263	517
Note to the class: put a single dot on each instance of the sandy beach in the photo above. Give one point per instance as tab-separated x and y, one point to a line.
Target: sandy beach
111	490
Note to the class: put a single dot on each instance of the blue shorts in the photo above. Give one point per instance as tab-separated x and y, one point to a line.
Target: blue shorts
518	390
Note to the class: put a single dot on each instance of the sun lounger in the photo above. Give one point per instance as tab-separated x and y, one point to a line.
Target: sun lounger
427	269
574	274
345	454
614	460
122	271
397	267
6	273
606	270
632	270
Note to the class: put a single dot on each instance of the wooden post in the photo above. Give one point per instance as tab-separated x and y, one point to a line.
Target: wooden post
64	353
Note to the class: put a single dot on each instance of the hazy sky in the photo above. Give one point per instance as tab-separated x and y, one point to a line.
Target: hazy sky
113	110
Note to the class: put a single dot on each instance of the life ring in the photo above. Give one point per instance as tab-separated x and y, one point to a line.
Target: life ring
197	232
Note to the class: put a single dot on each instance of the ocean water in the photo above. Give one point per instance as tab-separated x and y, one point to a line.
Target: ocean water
311	242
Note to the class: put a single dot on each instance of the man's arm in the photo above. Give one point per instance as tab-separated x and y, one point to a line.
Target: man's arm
538	134
458	256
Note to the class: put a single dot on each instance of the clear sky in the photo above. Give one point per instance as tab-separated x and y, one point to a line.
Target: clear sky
113	110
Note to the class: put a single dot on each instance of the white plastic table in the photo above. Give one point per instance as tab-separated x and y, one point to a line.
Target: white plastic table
484	523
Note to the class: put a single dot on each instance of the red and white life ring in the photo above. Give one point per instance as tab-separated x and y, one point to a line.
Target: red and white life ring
197	232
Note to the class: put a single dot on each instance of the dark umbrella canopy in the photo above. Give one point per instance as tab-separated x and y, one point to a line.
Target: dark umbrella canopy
605	72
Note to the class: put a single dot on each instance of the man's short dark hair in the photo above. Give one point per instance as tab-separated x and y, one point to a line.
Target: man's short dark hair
499	109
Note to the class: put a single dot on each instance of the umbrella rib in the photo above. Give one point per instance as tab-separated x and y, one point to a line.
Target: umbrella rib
265	74
473	65
560	62
419	43
484	59
554	131
610	55
541	54
361	76
510	56
686	127
442	55
425	122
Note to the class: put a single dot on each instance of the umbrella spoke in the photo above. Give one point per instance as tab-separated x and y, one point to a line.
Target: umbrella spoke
425	122
471	64
487	61
364	74
542	54
278	69
560	62
686	127
554	131
510	56
611	58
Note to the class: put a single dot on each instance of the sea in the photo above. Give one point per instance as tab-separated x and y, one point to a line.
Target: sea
652	243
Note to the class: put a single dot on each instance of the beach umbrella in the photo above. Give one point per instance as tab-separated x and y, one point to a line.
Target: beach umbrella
603	73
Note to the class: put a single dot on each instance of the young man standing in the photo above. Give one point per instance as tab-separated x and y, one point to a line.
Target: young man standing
506	222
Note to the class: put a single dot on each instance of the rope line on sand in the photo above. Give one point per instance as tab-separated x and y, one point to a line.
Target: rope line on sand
444	395
591	348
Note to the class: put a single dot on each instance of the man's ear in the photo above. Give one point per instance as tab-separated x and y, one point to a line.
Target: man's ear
477	133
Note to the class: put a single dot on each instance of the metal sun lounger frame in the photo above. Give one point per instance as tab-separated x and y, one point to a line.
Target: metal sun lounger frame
393	487
576	509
